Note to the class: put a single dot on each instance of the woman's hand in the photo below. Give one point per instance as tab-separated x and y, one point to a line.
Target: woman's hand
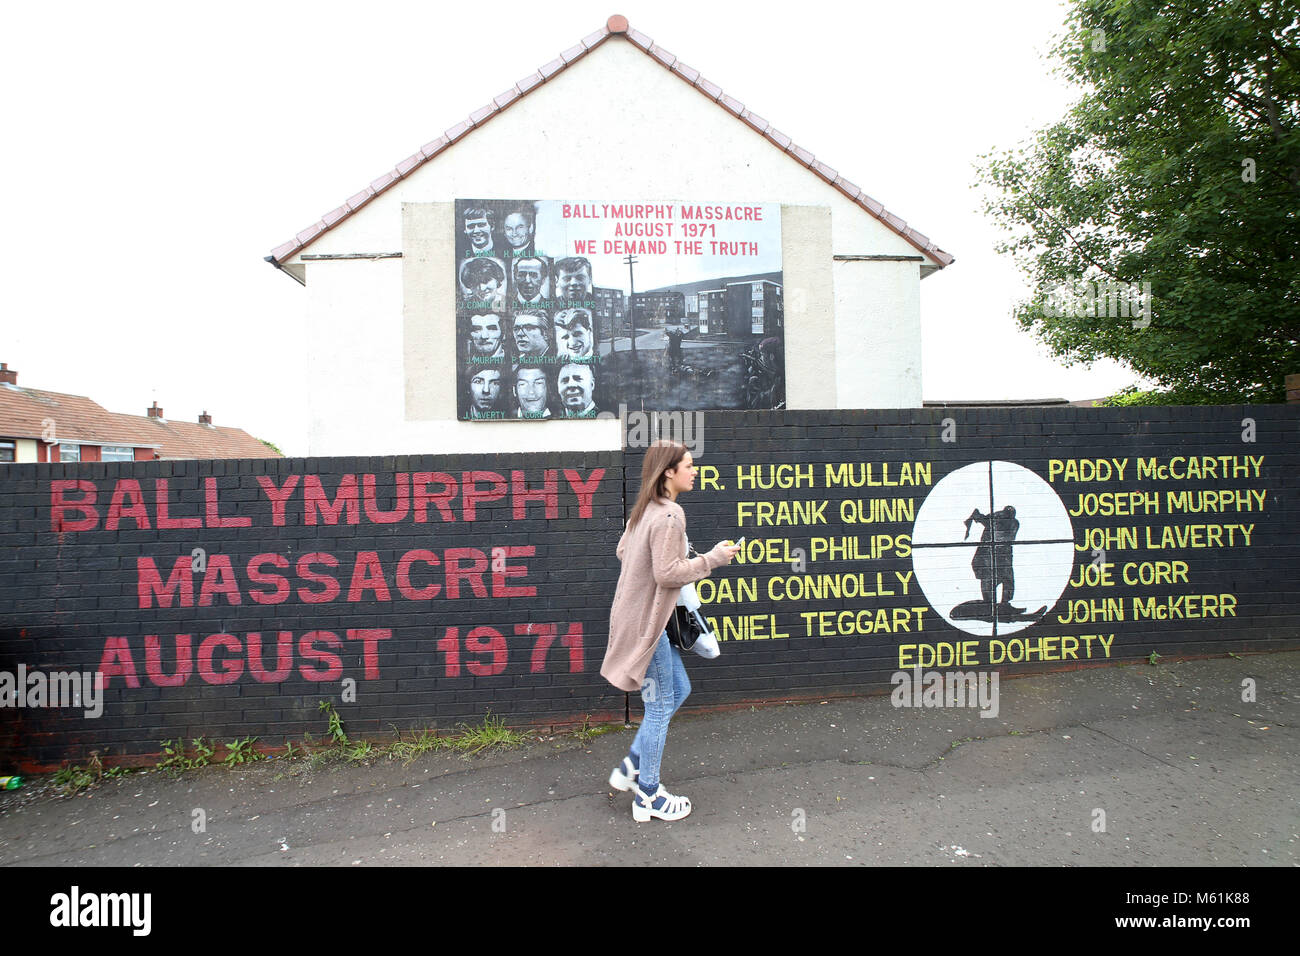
725	550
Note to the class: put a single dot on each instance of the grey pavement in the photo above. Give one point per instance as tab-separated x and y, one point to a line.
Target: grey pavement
1185	772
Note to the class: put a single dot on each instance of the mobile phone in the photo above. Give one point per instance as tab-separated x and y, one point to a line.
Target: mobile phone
740	543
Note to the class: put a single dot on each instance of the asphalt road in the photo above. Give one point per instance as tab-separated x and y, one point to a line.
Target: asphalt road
1169	759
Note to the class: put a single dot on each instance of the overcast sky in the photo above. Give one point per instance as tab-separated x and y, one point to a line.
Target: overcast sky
156	152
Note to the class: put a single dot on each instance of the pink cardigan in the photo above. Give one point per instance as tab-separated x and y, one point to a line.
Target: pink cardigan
655	567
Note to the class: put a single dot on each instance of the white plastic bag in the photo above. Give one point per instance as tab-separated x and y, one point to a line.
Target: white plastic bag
706	645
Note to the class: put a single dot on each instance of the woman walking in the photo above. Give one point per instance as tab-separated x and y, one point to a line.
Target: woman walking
639	657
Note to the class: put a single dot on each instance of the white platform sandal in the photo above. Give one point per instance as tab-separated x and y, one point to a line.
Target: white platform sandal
663	805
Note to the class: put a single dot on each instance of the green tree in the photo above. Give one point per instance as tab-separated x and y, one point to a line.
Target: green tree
1178	166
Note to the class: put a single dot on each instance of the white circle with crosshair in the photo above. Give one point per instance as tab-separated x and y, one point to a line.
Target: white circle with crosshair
993	548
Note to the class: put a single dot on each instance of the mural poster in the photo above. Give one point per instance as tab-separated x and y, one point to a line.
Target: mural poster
573	309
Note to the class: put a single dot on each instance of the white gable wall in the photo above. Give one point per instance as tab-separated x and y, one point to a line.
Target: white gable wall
618	127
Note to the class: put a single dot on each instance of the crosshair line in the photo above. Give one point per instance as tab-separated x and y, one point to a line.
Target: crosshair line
976	544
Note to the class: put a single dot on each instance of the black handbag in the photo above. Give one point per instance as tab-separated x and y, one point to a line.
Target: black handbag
684	628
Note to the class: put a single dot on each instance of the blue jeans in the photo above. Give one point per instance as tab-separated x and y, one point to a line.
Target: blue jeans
664	689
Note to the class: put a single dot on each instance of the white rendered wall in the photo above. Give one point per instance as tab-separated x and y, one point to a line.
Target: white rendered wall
609	128
878	334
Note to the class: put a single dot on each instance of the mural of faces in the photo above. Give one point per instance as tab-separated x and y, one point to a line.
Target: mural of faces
529	332
519	229
532	392
576	384
544	309
573	278
479	223
484	391
573	335
485	336
483	283
531	279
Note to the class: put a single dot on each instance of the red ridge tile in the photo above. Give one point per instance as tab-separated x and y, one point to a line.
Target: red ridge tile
639	38
778	137
825	172
310	233
755	121
801	154
335	215
663	56
848	188
711	90
687	73
430	150
412	162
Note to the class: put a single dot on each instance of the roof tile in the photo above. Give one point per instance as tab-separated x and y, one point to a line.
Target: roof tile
824	171
334	216
285	250
482	113
639	38
506	98
594	39
528	82
548	70
801	154
311	232
755	121
778	137
870	205
572	53
383	182
457	131
731	104
689	74
412	162
432	149
848	188
663	56
709	89
360	199
920	238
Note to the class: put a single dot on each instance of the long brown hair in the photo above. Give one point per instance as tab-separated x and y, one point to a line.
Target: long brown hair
659	458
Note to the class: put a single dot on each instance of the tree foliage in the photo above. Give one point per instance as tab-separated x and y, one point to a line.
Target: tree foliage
1179	165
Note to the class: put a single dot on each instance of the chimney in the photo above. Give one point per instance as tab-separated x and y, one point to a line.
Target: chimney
154	412
8	376
205	418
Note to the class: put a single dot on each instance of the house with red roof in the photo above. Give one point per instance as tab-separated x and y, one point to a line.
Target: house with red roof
44	426
422	318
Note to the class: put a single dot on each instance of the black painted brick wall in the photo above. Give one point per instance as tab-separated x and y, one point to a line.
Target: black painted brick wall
64	595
